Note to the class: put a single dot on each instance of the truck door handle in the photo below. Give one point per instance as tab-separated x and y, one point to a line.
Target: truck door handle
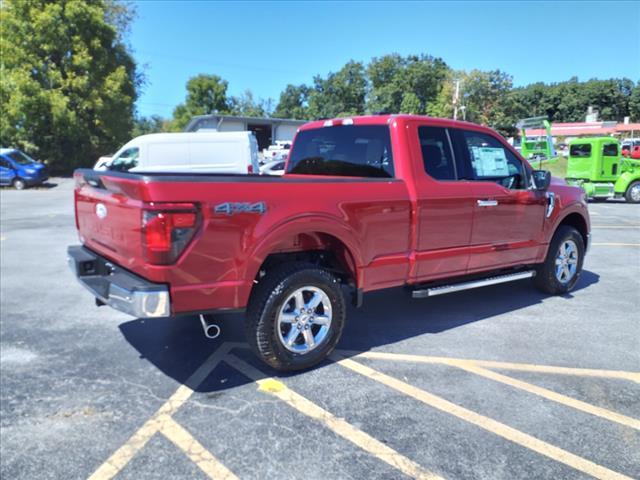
487	203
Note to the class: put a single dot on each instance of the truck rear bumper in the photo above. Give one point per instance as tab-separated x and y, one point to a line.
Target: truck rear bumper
116	287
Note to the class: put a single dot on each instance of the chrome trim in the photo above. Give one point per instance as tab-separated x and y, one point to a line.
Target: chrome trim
487	203
432	292
149	303
551	203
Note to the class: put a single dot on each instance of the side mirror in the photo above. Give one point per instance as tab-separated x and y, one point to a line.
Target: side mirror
541	179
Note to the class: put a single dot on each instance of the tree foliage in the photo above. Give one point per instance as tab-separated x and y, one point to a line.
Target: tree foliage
68	82
339	94
568	101
405	84
205	94
293	103
246	105
487	101
152	124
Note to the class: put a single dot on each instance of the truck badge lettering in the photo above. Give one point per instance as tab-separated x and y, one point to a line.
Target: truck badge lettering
231	208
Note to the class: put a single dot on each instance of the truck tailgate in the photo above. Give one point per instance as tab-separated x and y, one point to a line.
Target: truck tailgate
108	216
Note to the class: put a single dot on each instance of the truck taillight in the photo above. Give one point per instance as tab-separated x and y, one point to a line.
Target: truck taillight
167	231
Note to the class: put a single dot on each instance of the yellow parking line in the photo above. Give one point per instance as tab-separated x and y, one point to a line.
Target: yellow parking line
194	450
486	423
551	395
333	423
119	459
616	244
524	367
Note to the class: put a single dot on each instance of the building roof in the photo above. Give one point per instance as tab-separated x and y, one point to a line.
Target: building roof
239	118
585	128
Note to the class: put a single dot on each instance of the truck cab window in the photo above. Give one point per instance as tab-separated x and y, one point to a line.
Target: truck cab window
437	153
355	151
610	150
491	161
580	150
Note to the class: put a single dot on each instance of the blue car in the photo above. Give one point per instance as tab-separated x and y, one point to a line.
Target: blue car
20	170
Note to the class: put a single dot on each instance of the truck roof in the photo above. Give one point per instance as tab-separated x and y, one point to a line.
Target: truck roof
388	118
593	140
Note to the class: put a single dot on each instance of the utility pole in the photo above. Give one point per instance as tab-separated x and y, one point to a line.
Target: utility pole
456	94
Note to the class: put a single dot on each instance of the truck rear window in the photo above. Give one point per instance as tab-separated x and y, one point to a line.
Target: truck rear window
353	151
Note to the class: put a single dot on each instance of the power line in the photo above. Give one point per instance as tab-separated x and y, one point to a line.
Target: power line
210	63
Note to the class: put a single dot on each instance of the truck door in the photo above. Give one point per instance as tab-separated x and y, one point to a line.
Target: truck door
610	161
444	205
508	214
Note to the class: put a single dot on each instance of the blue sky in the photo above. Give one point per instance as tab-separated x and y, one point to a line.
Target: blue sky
263	46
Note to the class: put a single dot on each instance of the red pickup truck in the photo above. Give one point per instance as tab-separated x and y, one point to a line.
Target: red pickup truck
367	203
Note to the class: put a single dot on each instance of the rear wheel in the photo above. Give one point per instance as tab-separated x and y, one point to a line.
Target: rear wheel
19	184
633	193
561	269
295	317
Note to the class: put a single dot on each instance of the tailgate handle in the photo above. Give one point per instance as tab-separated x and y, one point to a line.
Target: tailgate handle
487	203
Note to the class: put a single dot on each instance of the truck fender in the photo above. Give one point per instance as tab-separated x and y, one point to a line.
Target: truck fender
572	215
275	239
626	179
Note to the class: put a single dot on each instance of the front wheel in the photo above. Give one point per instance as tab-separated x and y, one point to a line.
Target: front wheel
561	269
295	317
633	193
19	184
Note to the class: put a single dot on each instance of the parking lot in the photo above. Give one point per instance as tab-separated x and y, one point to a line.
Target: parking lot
498	383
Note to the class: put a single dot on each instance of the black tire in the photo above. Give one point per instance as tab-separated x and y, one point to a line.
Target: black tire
19	184
546	279
629	194
269	296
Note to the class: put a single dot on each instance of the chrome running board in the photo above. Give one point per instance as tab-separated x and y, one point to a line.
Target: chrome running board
483	282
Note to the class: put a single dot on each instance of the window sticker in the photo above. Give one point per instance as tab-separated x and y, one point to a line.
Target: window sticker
489	162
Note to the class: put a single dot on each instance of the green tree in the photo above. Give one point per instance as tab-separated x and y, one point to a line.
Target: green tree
410	103
487	100
152	124
442	105
246	105
340	94
568	101
68	82
399	83
634	103
293	103
205	94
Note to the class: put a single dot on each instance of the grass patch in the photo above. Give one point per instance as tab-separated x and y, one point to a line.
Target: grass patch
557	168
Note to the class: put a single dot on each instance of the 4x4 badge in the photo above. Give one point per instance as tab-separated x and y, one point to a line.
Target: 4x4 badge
231	208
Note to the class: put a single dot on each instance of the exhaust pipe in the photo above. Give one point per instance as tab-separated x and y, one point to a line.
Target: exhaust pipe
211	330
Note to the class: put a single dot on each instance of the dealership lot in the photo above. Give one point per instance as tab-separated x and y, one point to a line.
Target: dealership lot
500	382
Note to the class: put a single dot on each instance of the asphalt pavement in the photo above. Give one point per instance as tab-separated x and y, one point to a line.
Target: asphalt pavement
495	383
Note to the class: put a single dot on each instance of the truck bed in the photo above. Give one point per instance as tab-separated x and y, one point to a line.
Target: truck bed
242	219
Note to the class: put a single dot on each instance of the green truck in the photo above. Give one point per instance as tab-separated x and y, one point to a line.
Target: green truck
597	165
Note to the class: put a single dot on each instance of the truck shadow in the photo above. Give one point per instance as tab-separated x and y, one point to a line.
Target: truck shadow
177	346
